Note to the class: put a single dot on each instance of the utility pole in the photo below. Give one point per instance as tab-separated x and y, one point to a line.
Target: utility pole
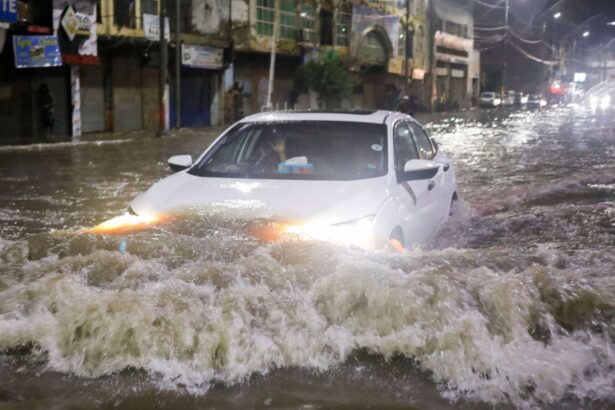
407	45
177	66
431	47
504	60
276	22
163	69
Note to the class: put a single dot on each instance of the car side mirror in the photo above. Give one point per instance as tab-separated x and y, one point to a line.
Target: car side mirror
418	169
179	162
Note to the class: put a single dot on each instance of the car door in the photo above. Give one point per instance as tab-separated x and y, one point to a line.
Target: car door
441	182
418	211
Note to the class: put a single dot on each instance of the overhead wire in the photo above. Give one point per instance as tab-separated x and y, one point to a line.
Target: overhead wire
530	56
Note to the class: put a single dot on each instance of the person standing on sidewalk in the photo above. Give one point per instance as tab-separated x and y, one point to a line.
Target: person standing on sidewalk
46	104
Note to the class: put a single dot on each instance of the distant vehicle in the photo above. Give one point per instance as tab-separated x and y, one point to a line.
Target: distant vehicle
536	101
508	99
361	178
521	98
490	99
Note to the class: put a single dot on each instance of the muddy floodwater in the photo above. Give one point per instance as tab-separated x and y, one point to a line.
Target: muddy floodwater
512	304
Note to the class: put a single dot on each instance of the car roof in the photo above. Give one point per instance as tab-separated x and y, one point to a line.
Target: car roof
372	117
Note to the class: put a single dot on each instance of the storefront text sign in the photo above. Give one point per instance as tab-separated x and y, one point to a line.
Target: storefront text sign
201	56
151	27
8	10
36	51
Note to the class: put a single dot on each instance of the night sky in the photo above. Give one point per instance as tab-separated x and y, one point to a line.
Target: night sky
535	31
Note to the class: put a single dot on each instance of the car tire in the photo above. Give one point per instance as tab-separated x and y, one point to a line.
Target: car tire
396	240
451	209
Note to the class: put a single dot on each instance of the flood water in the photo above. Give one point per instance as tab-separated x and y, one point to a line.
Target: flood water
512	304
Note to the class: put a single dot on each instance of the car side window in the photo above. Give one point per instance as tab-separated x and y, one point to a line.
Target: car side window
423	142
405	148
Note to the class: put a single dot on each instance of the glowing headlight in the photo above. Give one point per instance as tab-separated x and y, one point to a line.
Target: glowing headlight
356	232
593	102
127	223
605	101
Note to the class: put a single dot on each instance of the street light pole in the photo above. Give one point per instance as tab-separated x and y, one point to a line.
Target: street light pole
276	22
504	60
177	66
163	70
407	46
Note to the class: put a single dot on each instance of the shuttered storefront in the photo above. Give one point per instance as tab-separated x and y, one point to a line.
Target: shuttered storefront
92	99
127	97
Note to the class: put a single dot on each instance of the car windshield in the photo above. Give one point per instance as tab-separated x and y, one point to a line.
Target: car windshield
488	95
321	150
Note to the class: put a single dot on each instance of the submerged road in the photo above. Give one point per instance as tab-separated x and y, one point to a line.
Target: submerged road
513	303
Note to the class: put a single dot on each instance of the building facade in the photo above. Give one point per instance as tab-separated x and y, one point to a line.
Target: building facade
104	71
108	76
370	37
456	65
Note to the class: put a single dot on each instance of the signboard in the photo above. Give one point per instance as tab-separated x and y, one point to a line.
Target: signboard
36	51
151	27
580	77
201	56
8	10
70	23
74	23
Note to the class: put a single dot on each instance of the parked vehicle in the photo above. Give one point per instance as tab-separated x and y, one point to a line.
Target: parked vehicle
490	99
536	101
361	178
508	99
521	99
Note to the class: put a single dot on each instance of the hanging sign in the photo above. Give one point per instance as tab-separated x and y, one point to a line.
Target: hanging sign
151	27
201	56
70	23
36	51
8	10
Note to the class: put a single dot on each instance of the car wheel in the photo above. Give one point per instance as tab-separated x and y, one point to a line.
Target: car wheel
451	209
396	240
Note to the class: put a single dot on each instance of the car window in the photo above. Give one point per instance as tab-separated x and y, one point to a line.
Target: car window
423	142
405	148
317	150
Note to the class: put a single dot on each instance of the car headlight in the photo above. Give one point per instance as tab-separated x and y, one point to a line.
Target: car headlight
605	101
593	102
356	232
129	222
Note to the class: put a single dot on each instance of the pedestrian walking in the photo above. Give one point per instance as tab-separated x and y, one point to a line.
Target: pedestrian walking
46	104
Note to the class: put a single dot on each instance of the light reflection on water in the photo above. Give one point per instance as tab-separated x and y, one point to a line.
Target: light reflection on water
512	302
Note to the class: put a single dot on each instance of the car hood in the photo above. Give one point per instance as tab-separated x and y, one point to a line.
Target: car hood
327	202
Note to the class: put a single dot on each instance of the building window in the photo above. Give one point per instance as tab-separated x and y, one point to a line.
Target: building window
265	15
308	22
342	25
372	49
288	19
149	7
326	24
124	13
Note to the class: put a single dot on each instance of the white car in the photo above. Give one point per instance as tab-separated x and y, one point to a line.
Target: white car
360	178
490	99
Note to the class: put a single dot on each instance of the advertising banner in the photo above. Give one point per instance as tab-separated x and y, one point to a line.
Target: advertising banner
36	51
74	23
201	56
8	10
151	27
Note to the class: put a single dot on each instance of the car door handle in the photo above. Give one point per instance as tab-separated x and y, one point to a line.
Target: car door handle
446	167
431	185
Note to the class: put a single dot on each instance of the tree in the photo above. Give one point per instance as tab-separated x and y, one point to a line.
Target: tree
329	78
